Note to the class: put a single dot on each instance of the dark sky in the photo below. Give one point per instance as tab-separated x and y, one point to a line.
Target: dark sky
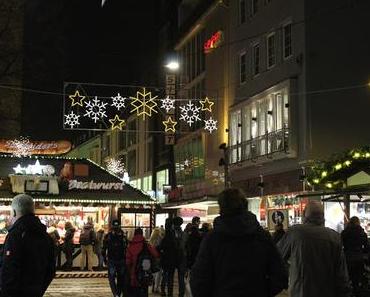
79	41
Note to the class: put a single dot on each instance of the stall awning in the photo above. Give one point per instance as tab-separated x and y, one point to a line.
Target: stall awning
65	180
204	202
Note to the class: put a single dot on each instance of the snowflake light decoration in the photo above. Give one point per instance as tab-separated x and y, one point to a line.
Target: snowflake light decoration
210	125
168	104
144	104
20	147
96	109
118	101
72	119
115	166
190	113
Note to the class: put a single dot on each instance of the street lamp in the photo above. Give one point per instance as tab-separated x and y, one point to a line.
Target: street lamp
173	65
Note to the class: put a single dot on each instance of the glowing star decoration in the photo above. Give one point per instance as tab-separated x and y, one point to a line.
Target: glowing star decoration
118	101
115	166
170	125
168	104
18	169
206	104
72	120
190	113
96	109
210	125
21	147
117	123
77	99
144	104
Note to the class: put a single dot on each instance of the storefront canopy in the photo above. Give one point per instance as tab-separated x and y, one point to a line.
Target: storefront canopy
65	180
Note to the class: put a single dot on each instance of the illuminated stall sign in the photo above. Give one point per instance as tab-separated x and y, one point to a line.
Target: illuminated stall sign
36	147
213	42
92	185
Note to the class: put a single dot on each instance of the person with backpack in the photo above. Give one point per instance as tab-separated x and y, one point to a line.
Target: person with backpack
173	258
140	260
114	254
87	242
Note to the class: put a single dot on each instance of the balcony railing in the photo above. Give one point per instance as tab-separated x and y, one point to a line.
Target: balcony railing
265	145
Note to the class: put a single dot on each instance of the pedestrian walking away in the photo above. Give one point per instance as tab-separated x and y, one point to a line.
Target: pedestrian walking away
27	262
140	260
356	246
315	253
238	258
87	242
279	233
173	257
114	254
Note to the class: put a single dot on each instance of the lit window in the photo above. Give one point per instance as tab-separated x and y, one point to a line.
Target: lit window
242	11
271	50
243	67
287	41
256	59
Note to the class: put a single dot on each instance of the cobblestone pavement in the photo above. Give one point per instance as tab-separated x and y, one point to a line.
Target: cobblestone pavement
84	287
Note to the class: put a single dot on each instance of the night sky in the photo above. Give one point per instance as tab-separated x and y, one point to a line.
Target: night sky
79	41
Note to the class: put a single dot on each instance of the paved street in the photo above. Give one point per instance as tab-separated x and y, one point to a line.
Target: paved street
83	287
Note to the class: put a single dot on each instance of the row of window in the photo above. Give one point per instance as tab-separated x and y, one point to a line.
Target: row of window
271	53
260	127
253	5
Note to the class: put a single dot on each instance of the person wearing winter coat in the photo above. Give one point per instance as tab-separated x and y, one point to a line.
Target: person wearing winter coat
114	254
87	242
68	245
238	258
98	248
315	253
155	240
355	245
279	233
192	246
173	257
27	262
134	249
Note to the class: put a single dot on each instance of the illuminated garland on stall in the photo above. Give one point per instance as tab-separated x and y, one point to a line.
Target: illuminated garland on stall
333	174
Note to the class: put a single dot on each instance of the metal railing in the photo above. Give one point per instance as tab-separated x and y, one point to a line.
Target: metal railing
265	145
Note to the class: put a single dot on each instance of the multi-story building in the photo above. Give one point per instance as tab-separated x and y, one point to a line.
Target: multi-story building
11	62
298	77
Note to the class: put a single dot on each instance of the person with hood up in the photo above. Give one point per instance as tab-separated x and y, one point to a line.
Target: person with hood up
27	264
316	258
87	242
238	258
355	246
114	254
134	249
68	245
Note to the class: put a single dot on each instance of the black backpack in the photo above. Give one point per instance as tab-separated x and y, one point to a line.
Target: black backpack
144	267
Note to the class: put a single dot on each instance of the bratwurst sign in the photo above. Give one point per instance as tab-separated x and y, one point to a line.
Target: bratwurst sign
92	185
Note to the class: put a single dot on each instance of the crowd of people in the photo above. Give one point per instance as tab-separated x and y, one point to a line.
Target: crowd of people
234	257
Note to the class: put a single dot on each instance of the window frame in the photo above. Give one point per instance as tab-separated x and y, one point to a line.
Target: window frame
254	7
286	24
242	54
254	46
244	15
268	37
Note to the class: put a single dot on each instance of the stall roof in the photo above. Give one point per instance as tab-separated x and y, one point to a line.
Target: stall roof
82	171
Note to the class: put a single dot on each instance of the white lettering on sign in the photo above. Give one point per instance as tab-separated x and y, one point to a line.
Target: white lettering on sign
91	185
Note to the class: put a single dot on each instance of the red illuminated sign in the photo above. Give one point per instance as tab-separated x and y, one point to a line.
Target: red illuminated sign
213	42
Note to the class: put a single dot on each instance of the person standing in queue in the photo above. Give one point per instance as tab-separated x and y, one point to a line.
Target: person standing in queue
27	262
355	246
140	259
87	242
114	254
68	245
279	233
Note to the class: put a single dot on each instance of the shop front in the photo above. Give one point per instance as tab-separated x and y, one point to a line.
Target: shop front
74	190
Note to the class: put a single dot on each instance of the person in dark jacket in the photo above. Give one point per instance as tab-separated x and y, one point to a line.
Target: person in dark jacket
238	258
355	245
114	253
28	265
87	241
316	258
173	257
68	245
279	233
192	246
